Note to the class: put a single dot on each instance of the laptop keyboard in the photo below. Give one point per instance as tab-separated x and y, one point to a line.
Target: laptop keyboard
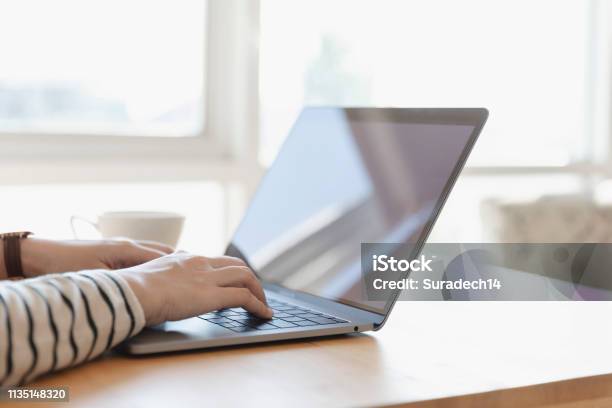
285	316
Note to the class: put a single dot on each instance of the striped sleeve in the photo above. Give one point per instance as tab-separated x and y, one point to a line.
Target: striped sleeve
56	321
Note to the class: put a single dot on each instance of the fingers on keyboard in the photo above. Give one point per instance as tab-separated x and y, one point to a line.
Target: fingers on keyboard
285	316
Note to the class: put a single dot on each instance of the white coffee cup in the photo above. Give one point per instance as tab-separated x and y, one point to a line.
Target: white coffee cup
164	227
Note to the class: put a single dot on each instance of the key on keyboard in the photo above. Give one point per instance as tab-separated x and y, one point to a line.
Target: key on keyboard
286	316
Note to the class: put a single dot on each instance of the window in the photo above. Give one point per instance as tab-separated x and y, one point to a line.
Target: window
102	67
111	90
128	105
527	61
539	66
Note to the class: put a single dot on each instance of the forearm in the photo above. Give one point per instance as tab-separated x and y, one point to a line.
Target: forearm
57	321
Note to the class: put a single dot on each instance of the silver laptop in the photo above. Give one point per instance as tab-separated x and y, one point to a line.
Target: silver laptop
344	176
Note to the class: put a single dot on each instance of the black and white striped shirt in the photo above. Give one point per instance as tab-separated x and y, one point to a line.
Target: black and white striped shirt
56	321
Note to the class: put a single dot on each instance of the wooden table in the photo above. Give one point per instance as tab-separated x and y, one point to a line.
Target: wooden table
430	354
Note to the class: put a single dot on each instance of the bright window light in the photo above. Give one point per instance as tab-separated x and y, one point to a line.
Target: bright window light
116	67
527	61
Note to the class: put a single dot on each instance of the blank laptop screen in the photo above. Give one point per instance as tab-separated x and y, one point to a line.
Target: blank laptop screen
339	181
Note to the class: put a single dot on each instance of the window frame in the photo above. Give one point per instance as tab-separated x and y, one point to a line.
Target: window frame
230	132
227	148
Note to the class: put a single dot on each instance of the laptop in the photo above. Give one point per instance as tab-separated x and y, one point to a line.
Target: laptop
344	176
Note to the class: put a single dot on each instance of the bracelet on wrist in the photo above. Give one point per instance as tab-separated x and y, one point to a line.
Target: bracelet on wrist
11	242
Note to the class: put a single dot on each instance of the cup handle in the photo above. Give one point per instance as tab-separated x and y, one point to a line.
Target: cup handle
75	218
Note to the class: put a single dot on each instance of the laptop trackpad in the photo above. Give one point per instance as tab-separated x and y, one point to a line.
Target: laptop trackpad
188	329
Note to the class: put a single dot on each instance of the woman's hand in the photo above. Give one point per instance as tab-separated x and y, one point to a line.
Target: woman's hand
41	256
182	285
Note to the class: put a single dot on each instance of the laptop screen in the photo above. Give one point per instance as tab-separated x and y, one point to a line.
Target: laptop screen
344	177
